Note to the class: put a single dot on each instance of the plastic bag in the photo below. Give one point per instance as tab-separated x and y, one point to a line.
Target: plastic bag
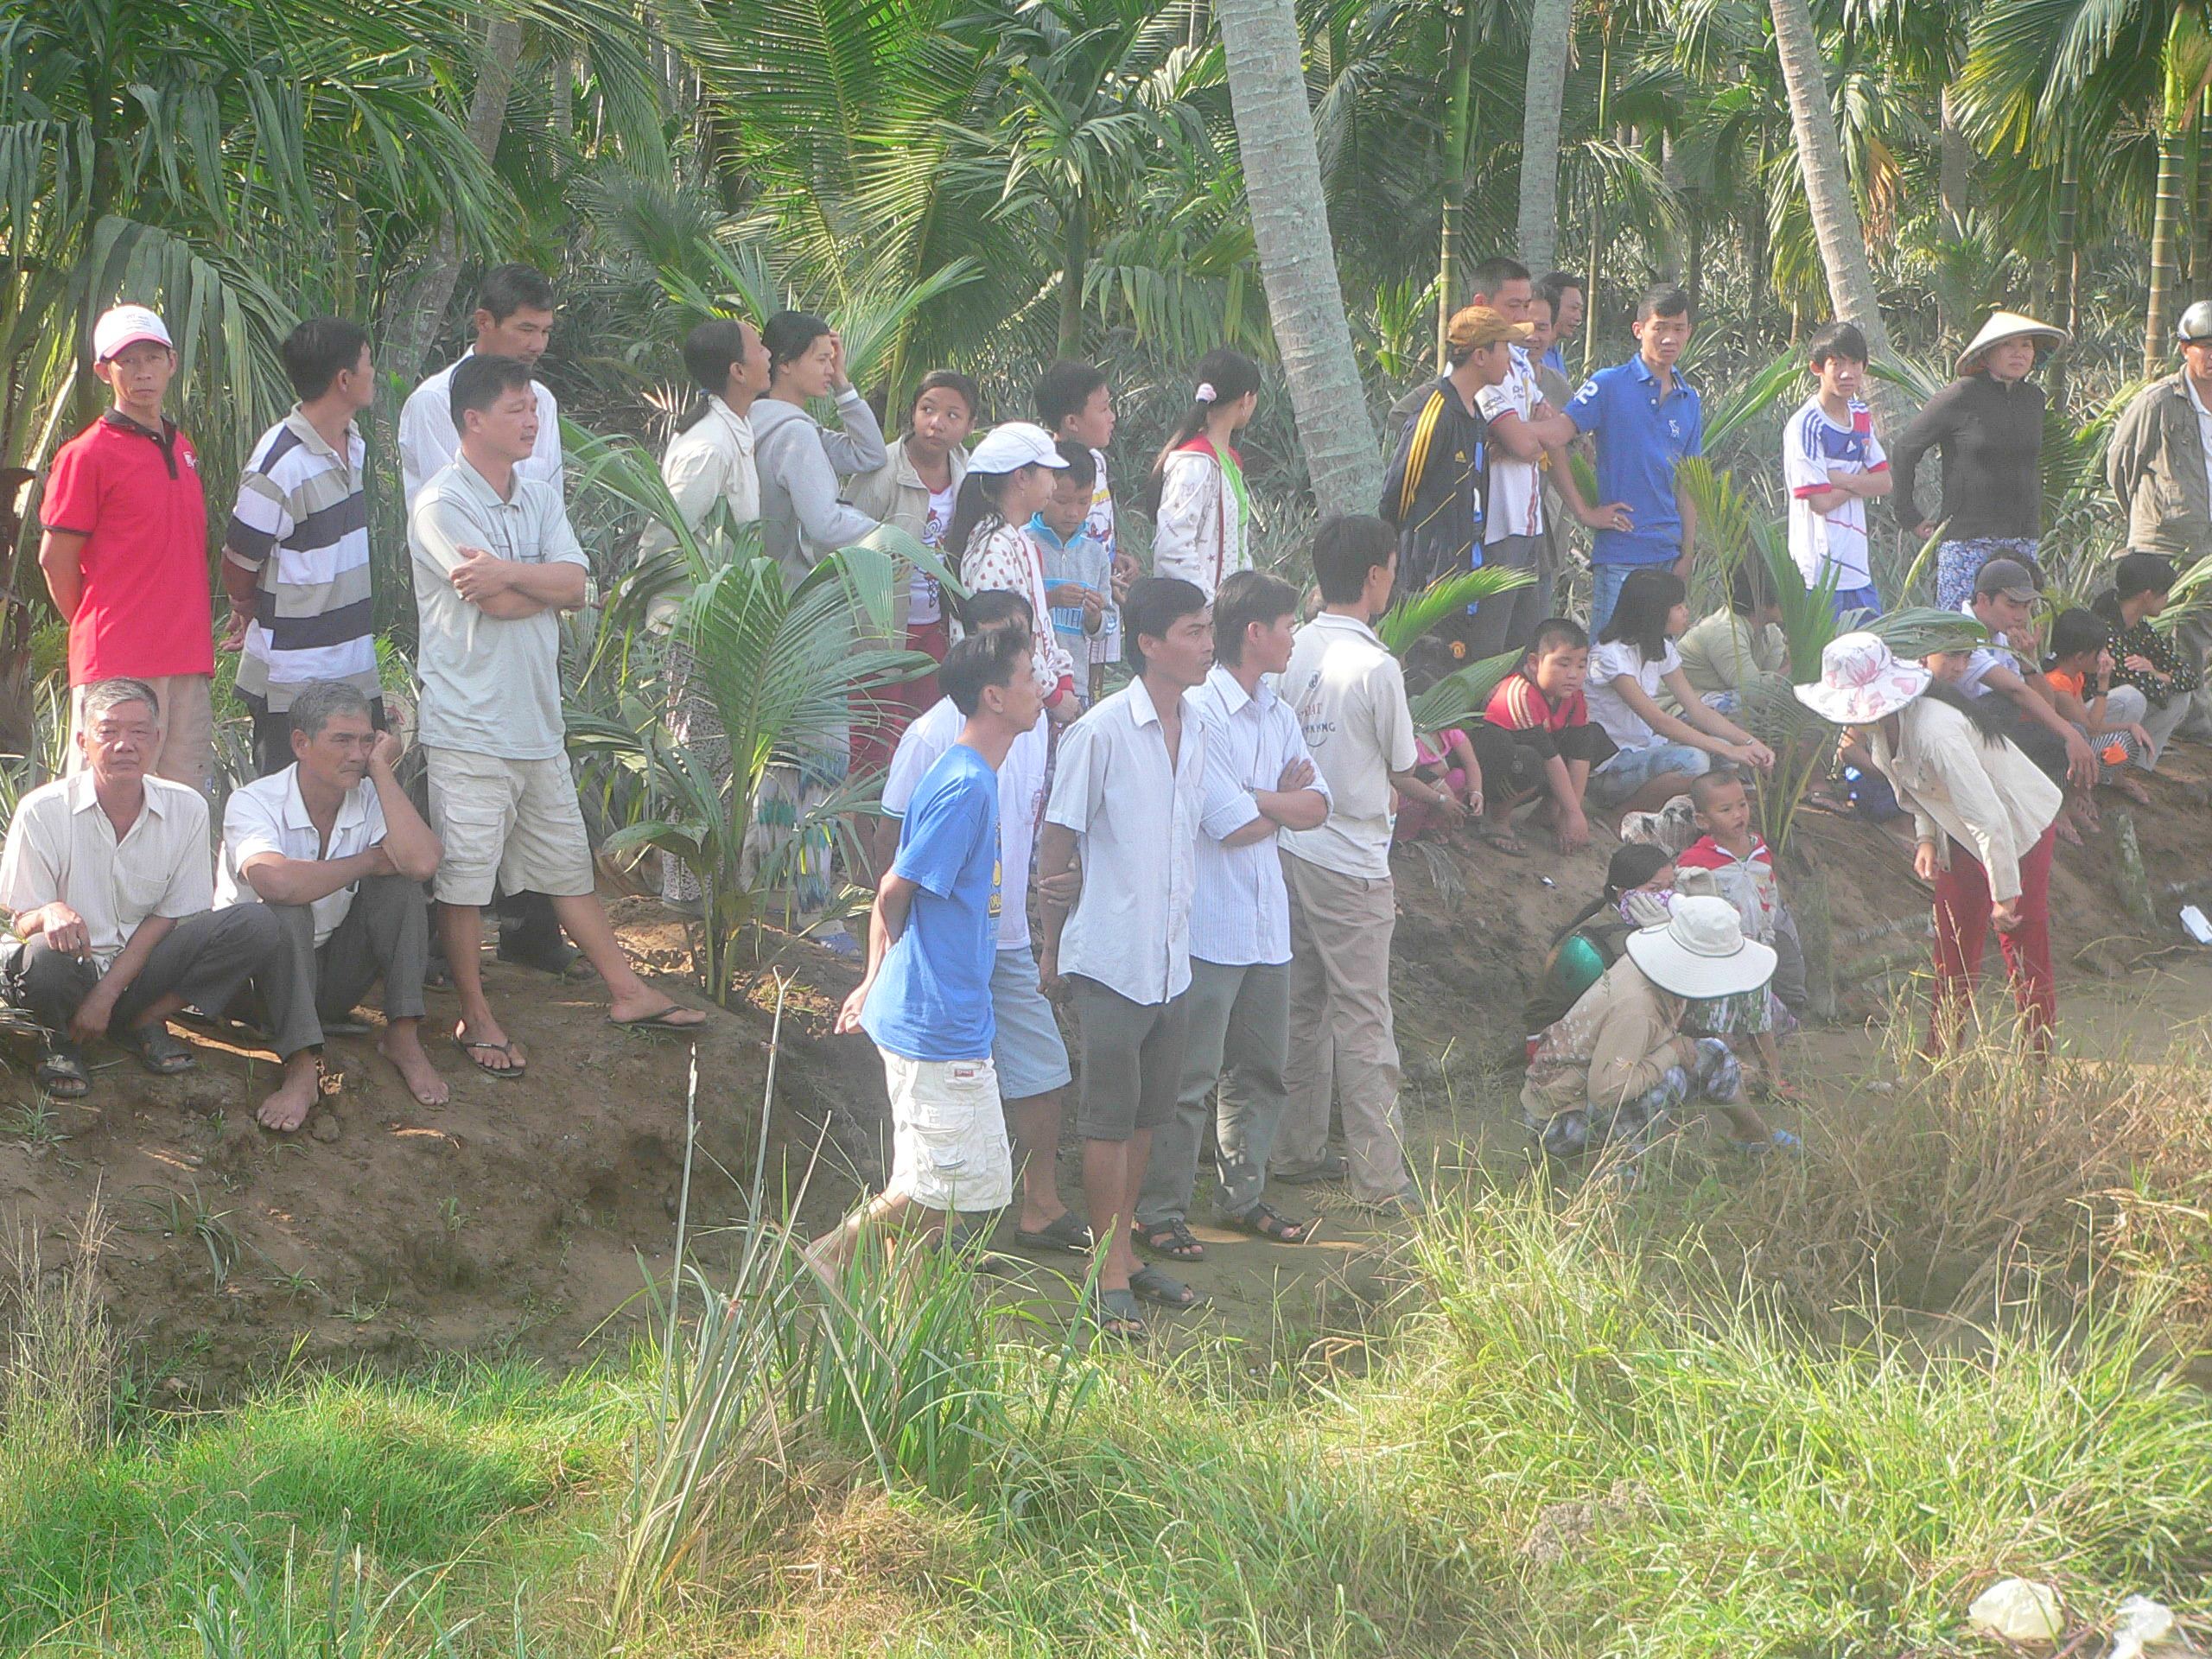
2020	1610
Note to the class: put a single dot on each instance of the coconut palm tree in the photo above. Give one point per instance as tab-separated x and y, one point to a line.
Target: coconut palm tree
1290	228
1828	195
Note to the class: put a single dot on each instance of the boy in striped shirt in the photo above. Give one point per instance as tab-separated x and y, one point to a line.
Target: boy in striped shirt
296	558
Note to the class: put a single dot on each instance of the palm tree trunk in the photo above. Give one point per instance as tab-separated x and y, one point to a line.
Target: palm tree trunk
1459	77
418	316
1074	259
1551	28
2165	250
1828	194
1952	159
1597	197
1290	227
2070	263
2200	258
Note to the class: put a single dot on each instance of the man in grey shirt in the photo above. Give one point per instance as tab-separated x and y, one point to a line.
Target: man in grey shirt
495	562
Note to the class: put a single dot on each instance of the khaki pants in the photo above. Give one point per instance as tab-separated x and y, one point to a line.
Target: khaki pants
186	719
1340	1029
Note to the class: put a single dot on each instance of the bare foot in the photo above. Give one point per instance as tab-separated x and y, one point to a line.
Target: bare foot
287	1109
403	1049
2125	786
489	1049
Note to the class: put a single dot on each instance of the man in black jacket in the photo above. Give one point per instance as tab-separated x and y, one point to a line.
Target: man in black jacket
1434	491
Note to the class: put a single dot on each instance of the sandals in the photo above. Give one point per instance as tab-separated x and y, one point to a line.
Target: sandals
663	1020
158	1049
1162	1289
61	1072
1114	1313
1182	1245
509	1073
1067	1234
1261	1221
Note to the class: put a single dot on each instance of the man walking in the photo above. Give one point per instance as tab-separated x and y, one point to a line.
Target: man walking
1126	796
495	562
2160	466
296	558
1259	779
513	319
334	849
1351	702
107	880
1026	1044
125	552
926	1000
1647	419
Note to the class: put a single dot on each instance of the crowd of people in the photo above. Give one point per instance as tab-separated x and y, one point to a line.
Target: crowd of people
1160	802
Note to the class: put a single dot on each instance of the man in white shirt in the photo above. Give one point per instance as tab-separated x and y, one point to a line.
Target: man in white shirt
1127	795
513	318
1350	701
1030	1058
1259	779
334	849
495	562
107	879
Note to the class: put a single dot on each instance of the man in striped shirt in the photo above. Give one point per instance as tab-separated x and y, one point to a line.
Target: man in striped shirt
296	558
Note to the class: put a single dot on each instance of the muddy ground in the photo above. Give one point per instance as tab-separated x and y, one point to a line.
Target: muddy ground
514	1219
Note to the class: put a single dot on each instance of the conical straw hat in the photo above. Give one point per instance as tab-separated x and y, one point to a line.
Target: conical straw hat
2009	324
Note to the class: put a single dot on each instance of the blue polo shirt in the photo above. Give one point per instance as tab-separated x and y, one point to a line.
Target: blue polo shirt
1642	437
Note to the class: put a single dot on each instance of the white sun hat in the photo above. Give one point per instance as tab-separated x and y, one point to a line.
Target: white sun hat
1861	680
1010	447
125	325
1700	952
2009	324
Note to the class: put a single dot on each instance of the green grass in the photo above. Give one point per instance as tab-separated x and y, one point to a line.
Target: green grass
1599	1428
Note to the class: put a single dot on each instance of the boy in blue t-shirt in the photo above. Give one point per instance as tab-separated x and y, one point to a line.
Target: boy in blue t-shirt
1078	573
926	999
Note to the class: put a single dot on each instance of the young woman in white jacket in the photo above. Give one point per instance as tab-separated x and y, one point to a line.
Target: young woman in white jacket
1201	512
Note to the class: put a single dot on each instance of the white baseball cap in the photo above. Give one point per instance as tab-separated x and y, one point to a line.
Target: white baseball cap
126	325
1014	445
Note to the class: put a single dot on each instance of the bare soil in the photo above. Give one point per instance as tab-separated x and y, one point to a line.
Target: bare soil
514	1219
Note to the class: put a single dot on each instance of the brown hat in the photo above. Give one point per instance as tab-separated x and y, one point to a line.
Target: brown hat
1473	327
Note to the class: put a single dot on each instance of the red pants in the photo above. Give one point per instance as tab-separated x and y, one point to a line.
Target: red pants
880	719
1963	927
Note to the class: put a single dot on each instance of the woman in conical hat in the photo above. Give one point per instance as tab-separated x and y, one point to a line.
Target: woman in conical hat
1987	427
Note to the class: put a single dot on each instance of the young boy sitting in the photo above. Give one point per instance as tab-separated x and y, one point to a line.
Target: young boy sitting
1079	572
1743	871
1833	464
2078	678
1537	732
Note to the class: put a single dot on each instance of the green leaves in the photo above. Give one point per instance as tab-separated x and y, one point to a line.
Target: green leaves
1415	615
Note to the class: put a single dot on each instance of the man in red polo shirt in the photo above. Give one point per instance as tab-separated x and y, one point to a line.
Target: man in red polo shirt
125	548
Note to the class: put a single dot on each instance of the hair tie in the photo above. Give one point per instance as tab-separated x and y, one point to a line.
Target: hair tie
1205	393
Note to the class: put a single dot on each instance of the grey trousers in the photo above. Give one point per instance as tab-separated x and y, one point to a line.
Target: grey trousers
386	935
1506	622
1341	1032
2162	723
2193	639
1240	1036
205	959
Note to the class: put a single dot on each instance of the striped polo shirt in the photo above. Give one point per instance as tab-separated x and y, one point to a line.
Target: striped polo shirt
302	525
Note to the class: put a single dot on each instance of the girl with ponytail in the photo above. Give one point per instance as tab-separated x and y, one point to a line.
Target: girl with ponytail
1634	882
1202	515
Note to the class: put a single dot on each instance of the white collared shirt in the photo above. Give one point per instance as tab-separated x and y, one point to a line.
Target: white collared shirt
62	846
1136	826
268	816
1350	697
491	684
1241	914
709	462
429	442
2203	425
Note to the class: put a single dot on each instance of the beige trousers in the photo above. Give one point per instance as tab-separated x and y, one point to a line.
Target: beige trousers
187	719
1340	1029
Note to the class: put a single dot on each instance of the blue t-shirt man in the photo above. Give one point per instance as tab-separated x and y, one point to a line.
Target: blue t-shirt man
931	1000
1643	436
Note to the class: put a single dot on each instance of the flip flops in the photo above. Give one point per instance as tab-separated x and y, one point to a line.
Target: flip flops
1067	1234
661	1021
61	1072
510	1073
1114	1313
158	1049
